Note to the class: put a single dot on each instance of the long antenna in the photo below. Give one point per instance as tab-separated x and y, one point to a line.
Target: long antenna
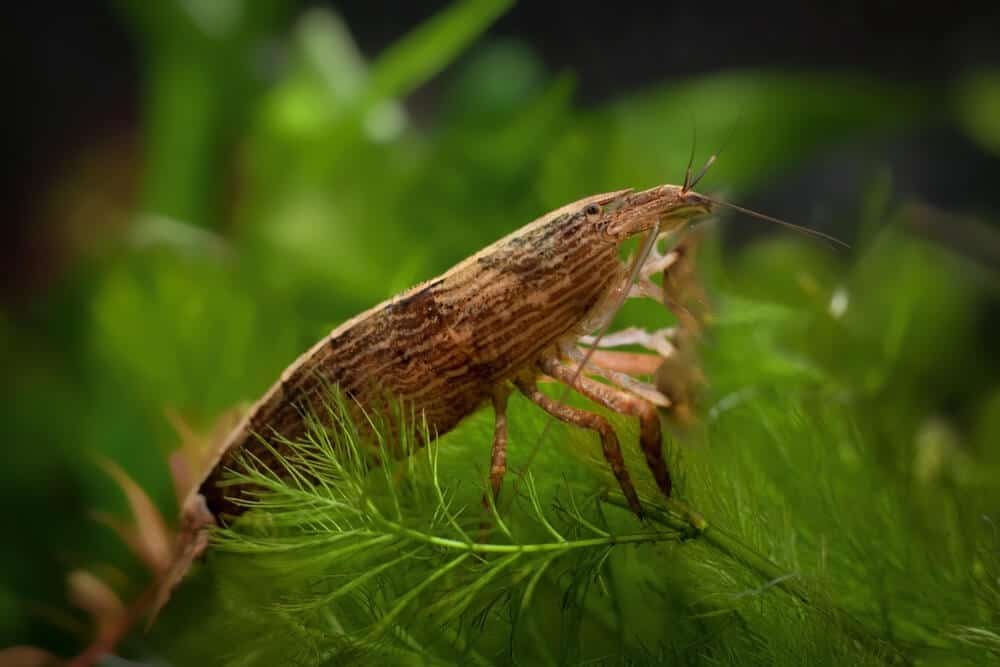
778	221
687	171
690	184
701	173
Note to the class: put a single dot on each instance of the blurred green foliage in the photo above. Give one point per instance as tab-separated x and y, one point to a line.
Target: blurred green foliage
852	422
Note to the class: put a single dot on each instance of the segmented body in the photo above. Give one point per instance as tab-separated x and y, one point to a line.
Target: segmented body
488	326
443	346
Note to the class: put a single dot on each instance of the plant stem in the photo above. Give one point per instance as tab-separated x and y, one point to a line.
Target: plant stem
476	547
678	516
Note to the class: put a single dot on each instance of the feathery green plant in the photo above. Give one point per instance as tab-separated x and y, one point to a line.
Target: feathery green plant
846	467
391	562
793	538
394	559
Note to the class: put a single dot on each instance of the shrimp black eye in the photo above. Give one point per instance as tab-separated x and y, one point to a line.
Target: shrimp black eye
592	210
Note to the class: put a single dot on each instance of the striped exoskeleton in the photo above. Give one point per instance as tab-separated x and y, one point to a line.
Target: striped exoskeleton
491	325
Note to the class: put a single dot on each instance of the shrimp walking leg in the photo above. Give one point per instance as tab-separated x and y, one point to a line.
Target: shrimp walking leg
588	420
650	436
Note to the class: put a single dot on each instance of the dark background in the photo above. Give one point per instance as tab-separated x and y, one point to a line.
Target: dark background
81	75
